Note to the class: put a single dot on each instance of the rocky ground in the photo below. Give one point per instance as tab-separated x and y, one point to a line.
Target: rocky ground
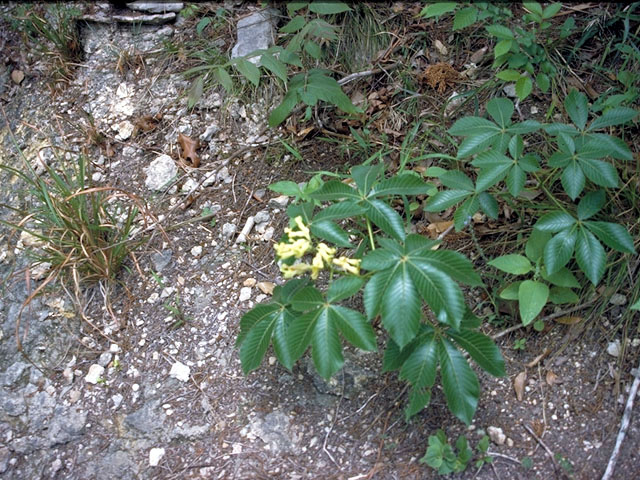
164	396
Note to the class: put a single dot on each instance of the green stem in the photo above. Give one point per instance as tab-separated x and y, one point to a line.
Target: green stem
373	245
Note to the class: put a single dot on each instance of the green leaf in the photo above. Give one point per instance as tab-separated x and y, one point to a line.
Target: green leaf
508	75
417	245
524	86
560	296
454	264
385	217
554	222
280	344
315	51
329	90
475	143
256	342
534	248
394	358
635	306
373	292
559	250
610	146
573	180
403	184
344	287
462	216
248	69
465	17
501	110
336	211
472	126
326	349
543	81
379	259
502	48
334	190
550	11
562	278
437	9
286	187
488	204
512	263
613	235
328	8
456	180
366	176
306	299
482	349
301	330
295	24
590	256
516	180
282	111
488	177
577	108
591	204
331	232
532	297
274	65
510	292
418	399
401	296
459	382
599	172
420	368
445	199
501	32
613	116
354	327
253	317
534	7
440	292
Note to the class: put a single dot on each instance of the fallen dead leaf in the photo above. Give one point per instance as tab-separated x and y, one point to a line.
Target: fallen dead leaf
266	287
552	378
436	228
536	360
442	50
17	76
478	54
538	427
568	320
189	146
518	385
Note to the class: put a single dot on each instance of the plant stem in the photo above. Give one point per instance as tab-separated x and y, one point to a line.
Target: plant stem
373	245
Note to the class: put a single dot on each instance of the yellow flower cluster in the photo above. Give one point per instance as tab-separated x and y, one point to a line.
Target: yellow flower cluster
300	243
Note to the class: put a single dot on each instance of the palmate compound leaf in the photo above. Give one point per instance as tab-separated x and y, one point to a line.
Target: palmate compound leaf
459	382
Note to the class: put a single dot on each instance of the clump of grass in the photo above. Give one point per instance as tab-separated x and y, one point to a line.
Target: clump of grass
78	234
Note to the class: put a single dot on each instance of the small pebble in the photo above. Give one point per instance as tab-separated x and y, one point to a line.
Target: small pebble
94	374
155	455
180	372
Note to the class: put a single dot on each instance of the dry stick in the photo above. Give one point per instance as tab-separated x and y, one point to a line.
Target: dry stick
544	445
624	425
366	73
544	319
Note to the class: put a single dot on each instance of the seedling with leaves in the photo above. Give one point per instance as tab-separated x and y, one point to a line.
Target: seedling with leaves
443	458
401	274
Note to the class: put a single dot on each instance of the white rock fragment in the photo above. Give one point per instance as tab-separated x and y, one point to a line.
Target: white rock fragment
196	251
228	229
180	371
117	400
613	348
97	177
279	202
124	129
245	294
496	435
156	7
254	32
189	186
261	217
160	172
155	455
94	374
510	90
249	282
618	299
242	237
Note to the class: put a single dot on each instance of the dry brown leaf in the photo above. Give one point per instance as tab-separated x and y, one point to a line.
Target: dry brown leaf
552	378
442	50
536	360
518	385
17	76
189	146
266	287
568	320
538	427
478	54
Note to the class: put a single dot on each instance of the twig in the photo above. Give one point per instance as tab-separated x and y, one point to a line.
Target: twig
365	73
551	316
544	445
624	425
502	455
